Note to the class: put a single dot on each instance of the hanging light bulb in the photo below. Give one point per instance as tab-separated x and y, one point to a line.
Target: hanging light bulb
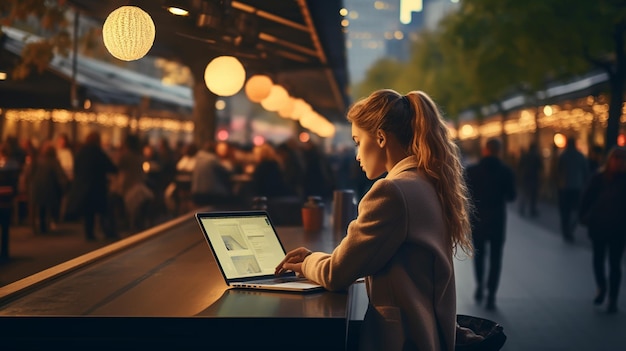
258	87
128	33
286	109
275	100
309	119
300	108
224	76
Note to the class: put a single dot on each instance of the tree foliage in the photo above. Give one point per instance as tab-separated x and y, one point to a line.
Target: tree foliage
489	50
47	19
381	75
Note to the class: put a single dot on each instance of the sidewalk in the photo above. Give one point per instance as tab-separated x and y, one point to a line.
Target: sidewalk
549	219
546	290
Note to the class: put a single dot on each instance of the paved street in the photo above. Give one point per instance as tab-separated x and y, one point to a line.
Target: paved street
544	302
546	291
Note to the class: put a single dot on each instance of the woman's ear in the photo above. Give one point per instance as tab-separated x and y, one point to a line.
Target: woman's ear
381	138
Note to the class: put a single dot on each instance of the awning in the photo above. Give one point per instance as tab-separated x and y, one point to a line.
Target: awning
299	43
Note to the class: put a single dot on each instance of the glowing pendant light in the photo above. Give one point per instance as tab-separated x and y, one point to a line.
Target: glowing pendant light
128	33
275	100
224	76
258	87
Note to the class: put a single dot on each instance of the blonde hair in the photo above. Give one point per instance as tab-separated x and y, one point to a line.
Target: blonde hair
417	123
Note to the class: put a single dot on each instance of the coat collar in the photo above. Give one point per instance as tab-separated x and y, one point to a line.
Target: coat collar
409	162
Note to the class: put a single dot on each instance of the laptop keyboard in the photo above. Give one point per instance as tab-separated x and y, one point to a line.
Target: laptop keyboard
279	280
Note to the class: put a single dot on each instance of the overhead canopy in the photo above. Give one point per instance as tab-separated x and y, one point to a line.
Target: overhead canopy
298	43
97	81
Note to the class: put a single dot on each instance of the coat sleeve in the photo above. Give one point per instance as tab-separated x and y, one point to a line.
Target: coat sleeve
372	239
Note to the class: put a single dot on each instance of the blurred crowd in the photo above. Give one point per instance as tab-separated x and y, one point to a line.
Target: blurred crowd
130	187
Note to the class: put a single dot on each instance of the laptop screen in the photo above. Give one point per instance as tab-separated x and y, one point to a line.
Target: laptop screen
244	244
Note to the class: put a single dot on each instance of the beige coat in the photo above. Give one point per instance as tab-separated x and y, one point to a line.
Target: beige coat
399	243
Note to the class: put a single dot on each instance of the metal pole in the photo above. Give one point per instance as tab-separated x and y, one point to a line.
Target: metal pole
74	87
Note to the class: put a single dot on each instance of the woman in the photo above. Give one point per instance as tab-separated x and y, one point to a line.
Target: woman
408	228
602	210
48	184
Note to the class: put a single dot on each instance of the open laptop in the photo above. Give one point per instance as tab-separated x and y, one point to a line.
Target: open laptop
247	249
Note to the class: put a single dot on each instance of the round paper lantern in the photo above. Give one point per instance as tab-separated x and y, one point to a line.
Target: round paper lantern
275	100
310	119
286	109
128	33
325	129
300	107
224	76
258	87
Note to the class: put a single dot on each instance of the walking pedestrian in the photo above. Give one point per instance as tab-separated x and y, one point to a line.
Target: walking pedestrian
88	196
572	174
530	169
492	185
602	210
408	225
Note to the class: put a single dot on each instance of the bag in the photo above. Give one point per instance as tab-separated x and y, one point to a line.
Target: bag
493	337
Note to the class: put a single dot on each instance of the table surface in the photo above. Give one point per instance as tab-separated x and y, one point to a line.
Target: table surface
162	289
173	274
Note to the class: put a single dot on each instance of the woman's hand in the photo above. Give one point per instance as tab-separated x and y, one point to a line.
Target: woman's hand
293	261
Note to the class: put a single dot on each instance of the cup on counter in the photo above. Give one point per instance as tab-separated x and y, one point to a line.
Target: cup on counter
313	214
344	210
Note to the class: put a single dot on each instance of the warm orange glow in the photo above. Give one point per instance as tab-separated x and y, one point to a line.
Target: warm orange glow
621	140
560	140
178	11
258	87
304	137
258	140
547	110
224	75
222	135
286	110
276	98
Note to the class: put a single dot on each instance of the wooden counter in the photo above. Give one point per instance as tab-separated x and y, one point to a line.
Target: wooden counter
162	289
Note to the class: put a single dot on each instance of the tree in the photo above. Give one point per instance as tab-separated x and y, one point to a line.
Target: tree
596	33
46	18
434	69
381	75
545	41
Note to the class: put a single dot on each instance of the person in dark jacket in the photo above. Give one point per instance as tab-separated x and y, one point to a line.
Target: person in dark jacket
602	210
49	183
572	174
268	178
89	193
492	185
530	170
9	175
